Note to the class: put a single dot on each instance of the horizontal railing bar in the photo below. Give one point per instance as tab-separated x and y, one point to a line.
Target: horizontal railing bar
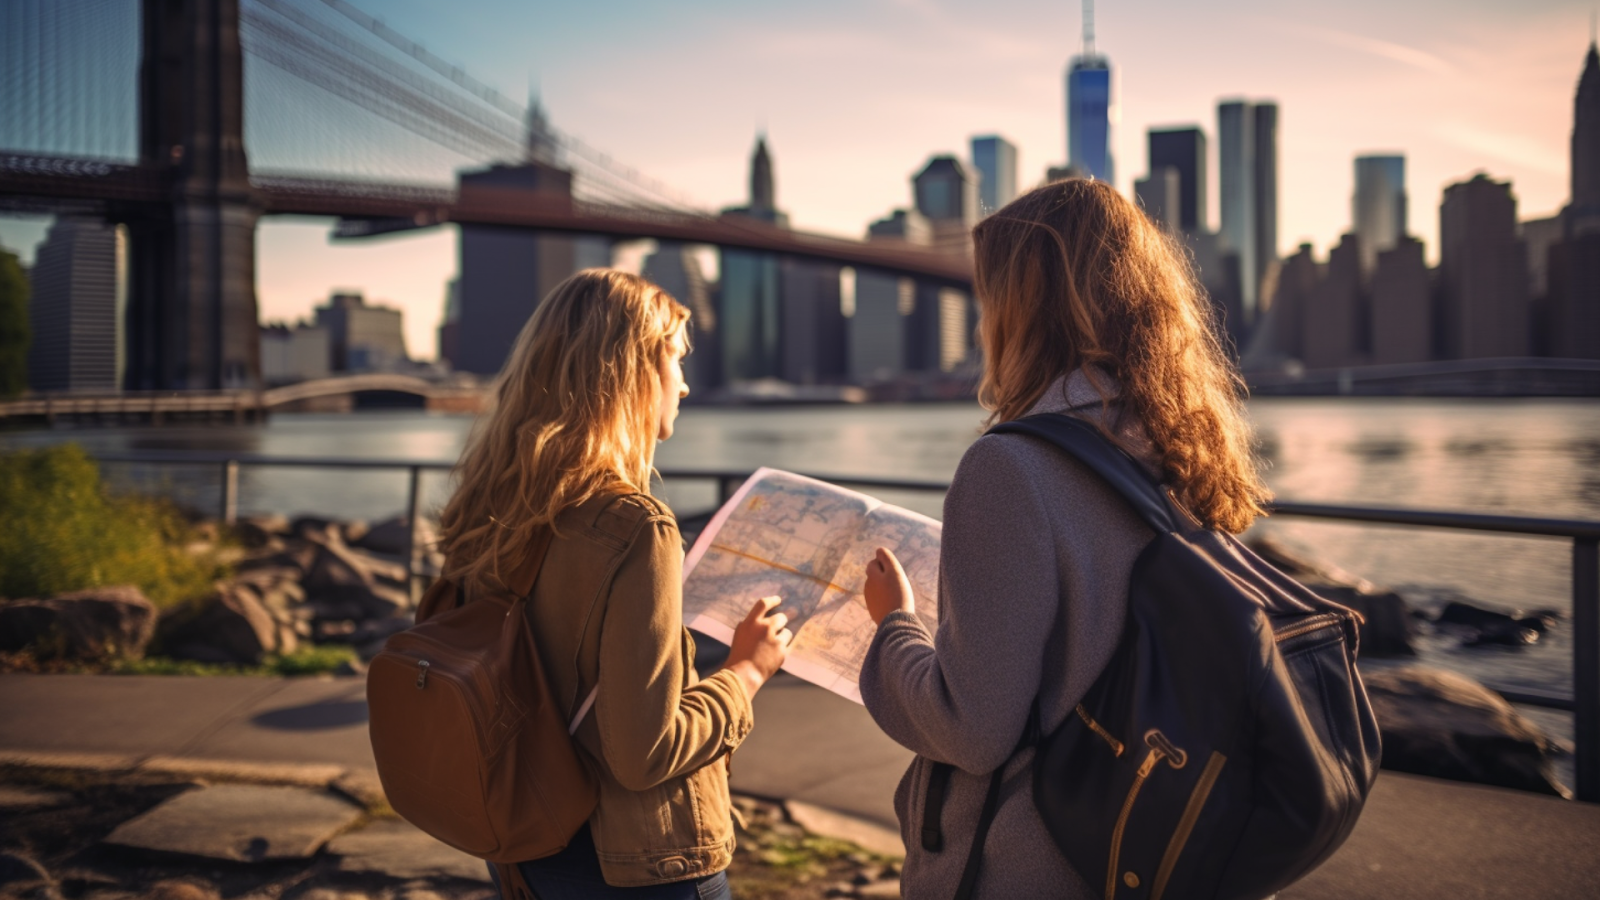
1568	528
1533	698
247	459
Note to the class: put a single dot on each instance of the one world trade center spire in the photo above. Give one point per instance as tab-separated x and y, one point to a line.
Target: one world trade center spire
1089	107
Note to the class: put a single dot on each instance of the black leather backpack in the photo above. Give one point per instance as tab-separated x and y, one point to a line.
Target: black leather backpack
1228	746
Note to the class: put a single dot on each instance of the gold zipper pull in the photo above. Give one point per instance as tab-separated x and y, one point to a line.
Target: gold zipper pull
1159	742
422	673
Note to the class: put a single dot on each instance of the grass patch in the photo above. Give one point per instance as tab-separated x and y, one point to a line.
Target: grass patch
310	660
61	530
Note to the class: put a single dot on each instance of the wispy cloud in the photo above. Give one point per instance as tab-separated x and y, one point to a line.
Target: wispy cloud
1507	147
1414	57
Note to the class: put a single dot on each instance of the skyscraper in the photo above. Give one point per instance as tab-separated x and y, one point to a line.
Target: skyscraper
1183	149
676	268
76	308
1161	196
1089	107
1583	211
1248	154
749	315
995	158
946	193
1483	270
1378	207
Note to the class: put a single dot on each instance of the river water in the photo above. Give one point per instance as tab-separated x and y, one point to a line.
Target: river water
1515	457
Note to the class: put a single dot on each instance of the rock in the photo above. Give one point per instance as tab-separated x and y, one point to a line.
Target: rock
173	889
354	530
259	531
350	668
232	626
1387	628
839	826
17	870
398	850
879	889
92	624
1488	627
16	796
392	536
1446	725
240	823
380	629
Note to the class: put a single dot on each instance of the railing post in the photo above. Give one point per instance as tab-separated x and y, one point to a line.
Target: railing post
1586	666
413	508
726	488
230	492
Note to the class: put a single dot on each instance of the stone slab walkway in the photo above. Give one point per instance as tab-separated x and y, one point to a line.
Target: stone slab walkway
1419	838
240	823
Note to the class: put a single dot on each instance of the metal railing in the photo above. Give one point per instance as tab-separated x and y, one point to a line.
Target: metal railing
1584	703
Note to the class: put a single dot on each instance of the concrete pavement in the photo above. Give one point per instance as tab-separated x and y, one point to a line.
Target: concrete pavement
1419	837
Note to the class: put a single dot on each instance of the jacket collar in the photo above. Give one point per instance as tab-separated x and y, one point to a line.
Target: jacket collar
1076	392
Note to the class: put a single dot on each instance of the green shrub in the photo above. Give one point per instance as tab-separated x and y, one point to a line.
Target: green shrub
61	531
313	659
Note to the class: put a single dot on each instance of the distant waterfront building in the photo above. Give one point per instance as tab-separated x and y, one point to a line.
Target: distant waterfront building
1572	267
877	330
1247	138
1089	107
1402	301
506	272
361	338
1297	278
676	268
750	311
814	329
291	353
904	225
1483	271
1160	195
995	158
1183	149
76	308
1334	310
1378	206
945	192
450	324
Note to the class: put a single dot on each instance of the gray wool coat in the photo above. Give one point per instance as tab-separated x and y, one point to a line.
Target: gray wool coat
1033	584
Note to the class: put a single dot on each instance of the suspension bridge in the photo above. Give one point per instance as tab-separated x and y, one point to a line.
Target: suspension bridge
188	120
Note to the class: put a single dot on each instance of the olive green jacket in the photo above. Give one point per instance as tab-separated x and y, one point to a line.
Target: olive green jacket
607	610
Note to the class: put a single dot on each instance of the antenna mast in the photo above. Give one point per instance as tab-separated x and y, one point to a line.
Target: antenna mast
1088	28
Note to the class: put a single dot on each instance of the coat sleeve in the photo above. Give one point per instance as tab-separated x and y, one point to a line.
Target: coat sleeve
963	697
653	725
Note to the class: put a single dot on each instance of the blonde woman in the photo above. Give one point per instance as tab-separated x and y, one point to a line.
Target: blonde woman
592	384
1086	309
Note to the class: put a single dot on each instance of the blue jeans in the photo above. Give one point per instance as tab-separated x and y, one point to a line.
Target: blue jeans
574	874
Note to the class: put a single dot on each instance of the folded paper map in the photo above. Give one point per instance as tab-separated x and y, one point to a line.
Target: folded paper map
808	542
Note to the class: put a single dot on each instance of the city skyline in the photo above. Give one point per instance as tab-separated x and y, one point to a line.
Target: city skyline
1457	88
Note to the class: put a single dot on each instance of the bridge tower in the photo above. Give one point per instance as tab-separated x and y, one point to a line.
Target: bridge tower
191	320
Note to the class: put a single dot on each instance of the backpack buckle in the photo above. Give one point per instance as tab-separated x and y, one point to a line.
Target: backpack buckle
422	673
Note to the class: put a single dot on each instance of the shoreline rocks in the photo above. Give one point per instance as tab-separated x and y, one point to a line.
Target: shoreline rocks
1387	627
1446	725
92	624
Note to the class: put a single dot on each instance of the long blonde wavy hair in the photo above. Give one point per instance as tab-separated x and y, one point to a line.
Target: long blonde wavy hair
574	414
1073	275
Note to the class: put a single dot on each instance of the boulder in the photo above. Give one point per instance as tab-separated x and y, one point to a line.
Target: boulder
1387	628
91	624
1485	627
258	531
1440	723
392	536
231	626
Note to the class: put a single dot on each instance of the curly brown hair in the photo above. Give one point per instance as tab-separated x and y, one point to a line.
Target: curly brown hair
1073	276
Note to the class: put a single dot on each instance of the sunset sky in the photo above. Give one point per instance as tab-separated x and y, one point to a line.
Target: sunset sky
854	95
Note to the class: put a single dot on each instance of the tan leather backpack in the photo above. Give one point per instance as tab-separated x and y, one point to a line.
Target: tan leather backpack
470	742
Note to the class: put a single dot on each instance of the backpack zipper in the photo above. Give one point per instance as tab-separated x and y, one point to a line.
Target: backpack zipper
1314	623
1116	745
1191	814
1160	748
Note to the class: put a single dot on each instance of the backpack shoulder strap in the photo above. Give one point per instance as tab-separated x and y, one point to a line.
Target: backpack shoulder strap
1087	445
